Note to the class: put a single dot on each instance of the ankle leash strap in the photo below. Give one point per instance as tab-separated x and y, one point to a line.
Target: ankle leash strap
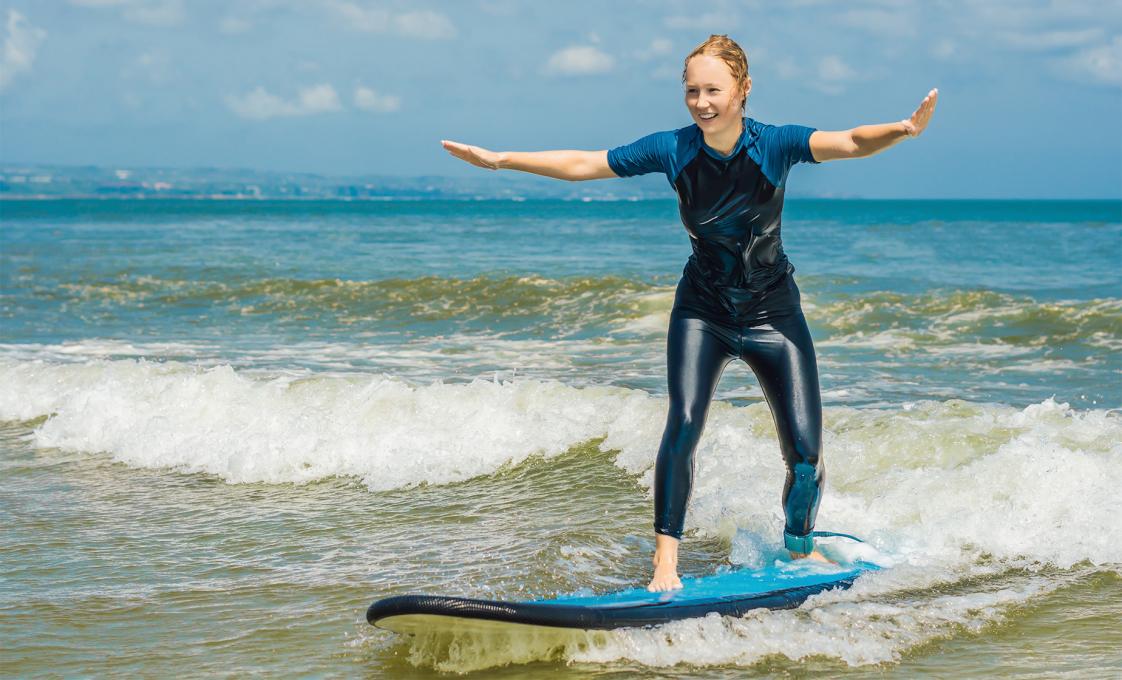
804	545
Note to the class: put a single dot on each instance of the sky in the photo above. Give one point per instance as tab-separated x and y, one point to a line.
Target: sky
1030	91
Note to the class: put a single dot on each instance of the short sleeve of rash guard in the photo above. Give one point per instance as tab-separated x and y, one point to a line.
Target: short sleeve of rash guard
785	146
653	153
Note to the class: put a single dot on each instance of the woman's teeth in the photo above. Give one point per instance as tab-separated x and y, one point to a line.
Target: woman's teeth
707	116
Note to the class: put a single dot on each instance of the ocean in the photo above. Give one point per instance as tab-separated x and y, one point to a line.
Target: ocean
227	426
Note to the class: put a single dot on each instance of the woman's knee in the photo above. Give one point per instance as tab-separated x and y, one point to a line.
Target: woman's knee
687	418
800	450
805	473
808	452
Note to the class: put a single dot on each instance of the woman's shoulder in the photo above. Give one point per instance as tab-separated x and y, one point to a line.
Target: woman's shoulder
678	141
756	127
690	131
674	136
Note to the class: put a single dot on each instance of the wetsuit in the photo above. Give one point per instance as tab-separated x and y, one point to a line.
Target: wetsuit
736	299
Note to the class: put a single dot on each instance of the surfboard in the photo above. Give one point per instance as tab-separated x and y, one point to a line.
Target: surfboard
734	592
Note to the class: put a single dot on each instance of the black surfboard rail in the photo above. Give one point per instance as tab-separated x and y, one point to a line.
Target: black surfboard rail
593	617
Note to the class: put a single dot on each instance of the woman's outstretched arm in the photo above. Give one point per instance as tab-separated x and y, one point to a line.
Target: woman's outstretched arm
569	165
867	140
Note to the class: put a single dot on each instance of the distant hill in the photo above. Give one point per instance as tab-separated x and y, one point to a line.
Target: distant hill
52	182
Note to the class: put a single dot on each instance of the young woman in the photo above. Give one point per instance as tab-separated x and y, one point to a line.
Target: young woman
737	298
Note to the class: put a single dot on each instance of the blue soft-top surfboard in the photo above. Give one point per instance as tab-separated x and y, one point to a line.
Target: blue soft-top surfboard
731	593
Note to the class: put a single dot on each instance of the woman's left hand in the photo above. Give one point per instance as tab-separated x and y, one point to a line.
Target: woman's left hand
918	122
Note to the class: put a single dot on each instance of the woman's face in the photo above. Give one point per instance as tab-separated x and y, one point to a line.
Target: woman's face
710	89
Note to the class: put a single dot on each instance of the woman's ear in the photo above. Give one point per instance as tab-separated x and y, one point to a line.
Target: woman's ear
747	89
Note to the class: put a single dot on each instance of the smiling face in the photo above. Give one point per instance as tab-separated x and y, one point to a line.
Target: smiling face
711	89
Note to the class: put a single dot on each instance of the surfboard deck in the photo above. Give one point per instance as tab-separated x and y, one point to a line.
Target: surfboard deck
729	593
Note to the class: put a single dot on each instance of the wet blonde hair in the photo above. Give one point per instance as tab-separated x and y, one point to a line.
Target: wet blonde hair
725	49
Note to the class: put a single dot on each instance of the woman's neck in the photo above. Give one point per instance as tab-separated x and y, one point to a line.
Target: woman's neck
724	142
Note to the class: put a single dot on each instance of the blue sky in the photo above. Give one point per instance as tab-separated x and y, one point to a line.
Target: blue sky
1030	92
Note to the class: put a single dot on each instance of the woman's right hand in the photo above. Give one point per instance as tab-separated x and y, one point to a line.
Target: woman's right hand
476	155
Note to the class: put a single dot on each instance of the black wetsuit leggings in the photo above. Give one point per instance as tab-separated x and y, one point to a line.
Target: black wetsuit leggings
781	354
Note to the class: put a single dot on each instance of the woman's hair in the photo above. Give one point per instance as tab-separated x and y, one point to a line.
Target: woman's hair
725	49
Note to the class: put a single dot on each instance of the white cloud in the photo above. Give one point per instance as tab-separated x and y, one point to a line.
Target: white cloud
1073	41
1077	41
425	24
234	25
659	47
833	74
1050	40
833	68
898	22
995	15
372	19
418	24
580	60
1033	26
668	73
153	66
147	12
162	13
260	104
1100	64
370	100
787	68
21	43
503	8
319	99
715	22
944	49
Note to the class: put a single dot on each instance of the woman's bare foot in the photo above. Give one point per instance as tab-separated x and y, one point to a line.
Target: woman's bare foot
814	555
665	562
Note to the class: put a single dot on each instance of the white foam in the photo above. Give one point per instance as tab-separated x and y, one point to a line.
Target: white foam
876	621
922	478
417	360
895	339
933	478
78	350
837	625
948	492
382	430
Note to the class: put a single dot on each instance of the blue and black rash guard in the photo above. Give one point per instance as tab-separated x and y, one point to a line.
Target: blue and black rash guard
731	207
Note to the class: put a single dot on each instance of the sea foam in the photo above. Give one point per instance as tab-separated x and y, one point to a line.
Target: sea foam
383	430
974	506
1030	483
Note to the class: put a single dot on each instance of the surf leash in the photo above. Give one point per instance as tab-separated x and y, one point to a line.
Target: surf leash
804	545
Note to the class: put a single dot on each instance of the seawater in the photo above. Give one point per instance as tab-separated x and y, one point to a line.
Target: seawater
226	427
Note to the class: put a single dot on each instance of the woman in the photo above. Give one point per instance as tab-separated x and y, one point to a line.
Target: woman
737	297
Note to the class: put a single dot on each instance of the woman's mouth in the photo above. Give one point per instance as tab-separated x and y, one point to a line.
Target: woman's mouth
706	116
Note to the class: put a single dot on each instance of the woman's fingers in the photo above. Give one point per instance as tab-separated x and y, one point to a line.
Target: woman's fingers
461	151
923	113
456	149
931	105
472	154
925	108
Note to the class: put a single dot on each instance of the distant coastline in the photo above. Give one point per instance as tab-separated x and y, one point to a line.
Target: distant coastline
44	182
32	182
